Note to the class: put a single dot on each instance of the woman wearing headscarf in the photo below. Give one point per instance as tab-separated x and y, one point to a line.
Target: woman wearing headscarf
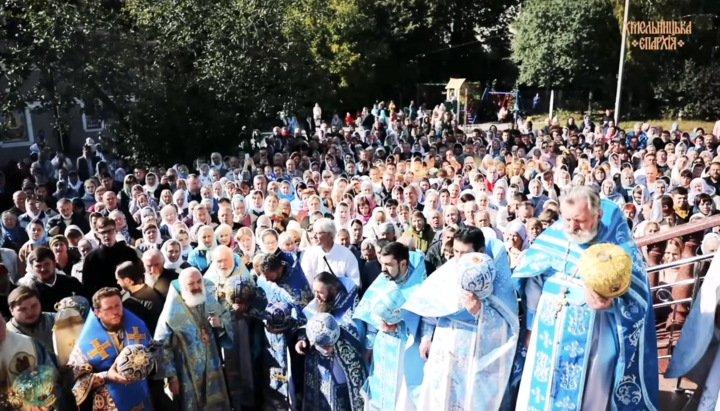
169	217
627	179
254	204
363	209
314	204
151	238
245	246
151	184
182	236
699	186
269	242
499	194
608	192
240	213
536	197
516	241
37	238
550	189
201	256
223	235
341	217
166	198
420	231
614	162
126	194
518	181
13	236
172	252
681	163
181	202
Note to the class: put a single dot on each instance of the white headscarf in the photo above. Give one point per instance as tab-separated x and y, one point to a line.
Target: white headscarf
519	228
168	264
246	232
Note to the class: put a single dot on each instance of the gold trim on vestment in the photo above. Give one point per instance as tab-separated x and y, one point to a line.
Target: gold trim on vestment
68	322
210	374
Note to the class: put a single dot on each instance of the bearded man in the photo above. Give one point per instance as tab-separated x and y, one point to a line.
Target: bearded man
107	330
192	326
585	351
330	385
225	266
387	334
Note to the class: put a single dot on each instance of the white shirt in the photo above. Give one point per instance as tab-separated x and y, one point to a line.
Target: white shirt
341	260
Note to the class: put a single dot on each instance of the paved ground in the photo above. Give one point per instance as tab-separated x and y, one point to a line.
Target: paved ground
670	400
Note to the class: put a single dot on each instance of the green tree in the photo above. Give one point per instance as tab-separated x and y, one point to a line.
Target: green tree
560	43
179	78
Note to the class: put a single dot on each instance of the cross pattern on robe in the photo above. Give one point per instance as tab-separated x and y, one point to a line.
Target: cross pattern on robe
135	336
561	301
99	349
139	407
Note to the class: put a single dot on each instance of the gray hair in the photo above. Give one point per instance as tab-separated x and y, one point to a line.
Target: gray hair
325	225
368	243
587	193
152	253
116	213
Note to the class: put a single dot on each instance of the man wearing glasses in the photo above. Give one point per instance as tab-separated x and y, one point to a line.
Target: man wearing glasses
99	265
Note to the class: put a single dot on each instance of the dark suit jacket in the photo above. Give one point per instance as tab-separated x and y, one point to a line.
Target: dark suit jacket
82	168
58	221
162	285
146	303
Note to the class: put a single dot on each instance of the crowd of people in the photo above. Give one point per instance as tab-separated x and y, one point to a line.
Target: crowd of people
387	262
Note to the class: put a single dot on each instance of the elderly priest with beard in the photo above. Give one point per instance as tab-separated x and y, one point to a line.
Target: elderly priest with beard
224	267
192	326
108	329
589	319
333	385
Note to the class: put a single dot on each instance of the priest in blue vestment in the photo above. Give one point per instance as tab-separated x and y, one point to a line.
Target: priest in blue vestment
108	329
338	356
466	310
585	352
237	360
695	356
326	378
389	387
191	327
287	292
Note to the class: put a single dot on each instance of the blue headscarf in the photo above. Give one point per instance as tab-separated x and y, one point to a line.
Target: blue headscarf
289	197
11	234
42	240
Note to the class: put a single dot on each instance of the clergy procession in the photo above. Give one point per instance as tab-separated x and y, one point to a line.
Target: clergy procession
335	277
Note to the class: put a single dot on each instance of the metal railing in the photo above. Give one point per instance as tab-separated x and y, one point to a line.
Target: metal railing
667	300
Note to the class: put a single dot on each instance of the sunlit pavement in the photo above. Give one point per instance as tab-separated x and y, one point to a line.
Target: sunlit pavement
670	400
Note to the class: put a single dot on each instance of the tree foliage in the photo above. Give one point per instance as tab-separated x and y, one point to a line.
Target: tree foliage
558	43
175	78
